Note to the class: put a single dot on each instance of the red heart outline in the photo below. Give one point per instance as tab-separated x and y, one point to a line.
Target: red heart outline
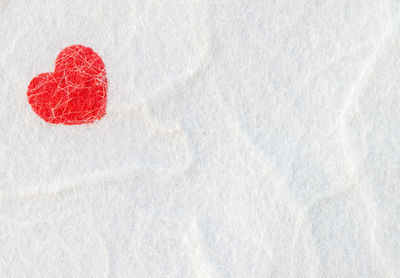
75	93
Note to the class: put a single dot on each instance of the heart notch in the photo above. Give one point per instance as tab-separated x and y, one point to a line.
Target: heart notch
75	93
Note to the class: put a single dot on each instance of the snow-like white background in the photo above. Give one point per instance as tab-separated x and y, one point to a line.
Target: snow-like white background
253	138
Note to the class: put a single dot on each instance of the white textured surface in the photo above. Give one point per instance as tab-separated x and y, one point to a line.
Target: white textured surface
242	139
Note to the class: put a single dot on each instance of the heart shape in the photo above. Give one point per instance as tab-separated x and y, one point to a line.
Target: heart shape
75	93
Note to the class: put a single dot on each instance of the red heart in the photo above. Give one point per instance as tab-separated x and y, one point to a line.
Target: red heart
75	93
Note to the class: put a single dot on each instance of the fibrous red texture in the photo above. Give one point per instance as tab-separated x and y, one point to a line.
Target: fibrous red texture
75	93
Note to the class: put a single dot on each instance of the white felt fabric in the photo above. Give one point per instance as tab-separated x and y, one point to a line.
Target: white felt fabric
253	138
